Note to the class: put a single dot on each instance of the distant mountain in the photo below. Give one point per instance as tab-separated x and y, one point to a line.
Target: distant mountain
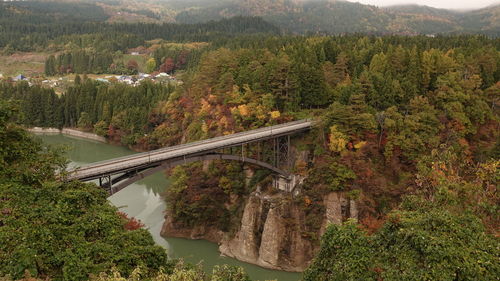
486	20
334	17
424	19
297	16
294	16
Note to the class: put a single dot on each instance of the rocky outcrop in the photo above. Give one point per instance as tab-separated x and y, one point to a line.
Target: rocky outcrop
172	229
272	239
337	209
270	235
245	244
271	230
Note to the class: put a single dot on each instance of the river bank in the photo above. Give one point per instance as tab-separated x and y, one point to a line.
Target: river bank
69	132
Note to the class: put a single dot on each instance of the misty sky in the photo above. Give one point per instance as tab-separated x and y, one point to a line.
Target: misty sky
445	4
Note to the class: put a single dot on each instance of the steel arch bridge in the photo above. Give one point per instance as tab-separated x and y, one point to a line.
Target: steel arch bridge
117	173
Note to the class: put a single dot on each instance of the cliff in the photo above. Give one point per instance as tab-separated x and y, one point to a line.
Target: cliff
273	231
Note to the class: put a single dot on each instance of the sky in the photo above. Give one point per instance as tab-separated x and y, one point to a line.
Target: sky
444	4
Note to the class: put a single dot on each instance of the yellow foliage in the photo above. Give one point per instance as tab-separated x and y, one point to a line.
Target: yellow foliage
204	127
360	144
212	98
205	107
260	112
275	114
243	109
223	122
234	110
338	140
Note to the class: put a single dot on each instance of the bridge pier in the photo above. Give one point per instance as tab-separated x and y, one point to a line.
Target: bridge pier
286	184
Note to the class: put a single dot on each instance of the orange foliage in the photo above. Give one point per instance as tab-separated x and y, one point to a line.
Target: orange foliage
372	224
131	223
307	201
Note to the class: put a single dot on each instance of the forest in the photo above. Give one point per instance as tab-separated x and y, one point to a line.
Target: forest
34	30
407	126
50	229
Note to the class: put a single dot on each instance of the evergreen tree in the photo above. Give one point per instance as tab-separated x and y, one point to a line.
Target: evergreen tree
50	66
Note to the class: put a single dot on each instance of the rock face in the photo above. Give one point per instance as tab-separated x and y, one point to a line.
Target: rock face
244	245
337	209
271	230
170	228
270	235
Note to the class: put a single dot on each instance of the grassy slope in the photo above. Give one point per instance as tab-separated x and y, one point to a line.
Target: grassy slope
30	64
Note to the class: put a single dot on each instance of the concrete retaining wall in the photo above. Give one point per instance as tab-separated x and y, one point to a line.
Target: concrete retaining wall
76	133
38	130
69	132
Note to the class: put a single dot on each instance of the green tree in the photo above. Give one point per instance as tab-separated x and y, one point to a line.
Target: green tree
56	229
84	121
419	242
50	66
150	65
346	254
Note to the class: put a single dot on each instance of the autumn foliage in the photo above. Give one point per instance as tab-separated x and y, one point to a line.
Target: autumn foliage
130	223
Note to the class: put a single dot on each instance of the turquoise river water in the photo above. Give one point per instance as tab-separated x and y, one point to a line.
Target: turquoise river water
143	201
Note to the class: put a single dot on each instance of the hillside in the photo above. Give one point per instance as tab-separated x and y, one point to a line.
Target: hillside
406	144
336	17
291	16
425	19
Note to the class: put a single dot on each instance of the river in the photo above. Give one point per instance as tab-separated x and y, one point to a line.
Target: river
143	201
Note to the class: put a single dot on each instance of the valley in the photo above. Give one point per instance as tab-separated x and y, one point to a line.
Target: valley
394	177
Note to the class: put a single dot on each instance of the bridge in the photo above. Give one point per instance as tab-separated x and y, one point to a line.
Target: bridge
117	173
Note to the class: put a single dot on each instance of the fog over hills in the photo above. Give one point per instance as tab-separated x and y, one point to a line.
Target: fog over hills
440	4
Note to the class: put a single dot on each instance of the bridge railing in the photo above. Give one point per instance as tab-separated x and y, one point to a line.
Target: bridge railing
195	143
188	149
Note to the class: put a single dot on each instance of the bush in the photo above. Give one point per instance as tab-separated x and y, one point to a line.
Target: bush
424	244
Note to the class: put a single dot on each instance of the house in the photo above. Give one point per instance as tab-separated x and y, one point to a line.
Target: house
102	80
134	53
19	77
124	79
162	74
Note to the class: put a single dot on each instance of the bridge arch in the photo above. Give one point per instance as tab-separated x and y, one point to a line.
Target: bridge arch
134	176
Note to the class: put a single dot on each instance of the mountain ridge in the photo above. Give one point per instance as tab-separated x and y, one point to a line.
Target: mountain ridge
338	17
307	16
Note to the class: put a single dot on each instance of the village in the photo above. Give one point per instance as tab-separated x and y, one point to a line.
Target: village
132	80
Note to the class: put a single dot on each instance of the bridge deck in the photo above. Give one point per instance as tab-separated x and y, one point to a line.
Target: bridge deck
112	166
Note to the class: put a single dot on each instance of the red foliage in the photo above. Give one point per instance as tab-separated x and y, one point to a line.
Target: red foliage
132	65
114	134
130	223
186	102
371	224
168	66
182	59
